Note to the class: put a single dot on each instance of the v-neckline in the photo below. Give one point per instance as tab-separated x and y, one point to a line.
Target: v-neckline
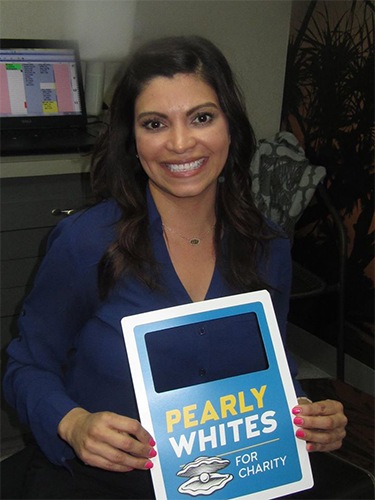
172	282
176	277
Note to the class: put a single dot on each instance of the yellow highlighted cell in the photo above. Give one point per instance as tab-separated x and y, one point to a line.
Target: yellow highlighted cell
49	106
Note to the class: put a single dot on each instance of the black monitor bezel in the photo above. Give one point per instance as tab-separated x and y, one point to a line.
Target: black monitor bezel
37	122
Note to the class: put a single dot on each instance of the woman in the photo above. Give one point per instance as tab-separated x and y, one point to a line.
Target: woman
173	223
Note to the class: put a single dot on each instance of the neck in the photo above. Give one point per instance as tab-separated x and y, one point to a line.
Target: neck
189	215
193	240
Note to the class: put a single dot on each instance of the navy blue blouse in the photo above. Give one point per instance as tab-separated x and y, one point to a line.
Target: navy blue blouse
70	351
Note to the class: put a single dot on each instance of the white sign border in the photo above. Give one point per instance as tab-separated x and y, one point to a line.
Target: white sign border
129	323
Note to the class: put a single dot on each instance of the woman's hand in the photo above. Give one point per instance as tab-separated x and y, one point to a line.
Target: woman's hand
108	440
321	424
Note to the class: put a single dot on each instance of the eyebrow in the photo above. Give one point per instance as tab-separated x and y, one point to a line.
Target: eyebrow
188	113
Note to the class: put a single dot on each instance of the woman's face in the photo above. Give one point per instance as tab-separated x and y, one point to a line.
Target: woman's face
182	135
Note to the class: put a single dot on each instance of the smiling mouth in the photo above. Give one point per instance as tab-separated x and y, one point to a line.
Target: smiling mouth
185	167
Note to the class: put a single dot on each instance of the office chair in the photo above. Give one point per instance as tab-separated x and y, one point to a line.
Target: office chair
283	184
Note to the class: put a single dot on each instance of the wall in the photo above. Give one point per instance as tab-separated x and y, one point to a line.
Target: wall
253	34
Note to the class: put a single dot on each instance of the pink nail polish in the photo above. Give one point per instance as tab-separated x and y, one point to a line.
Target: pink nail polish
149	465
152	442
300	433
298	420
296	411
152	453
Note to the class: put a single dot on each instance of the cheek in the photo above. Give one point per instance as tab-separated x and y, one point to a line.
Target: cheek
220	141
139	144
222	146
147	147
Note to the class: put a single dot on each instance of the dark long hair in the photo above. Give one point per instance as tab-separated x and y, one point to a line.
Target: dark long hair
117	173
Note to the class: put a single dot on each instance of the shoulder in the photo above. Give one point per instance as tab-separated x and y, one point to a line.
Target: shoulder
277	239
279	245
102	214
88	231
277	256
96	220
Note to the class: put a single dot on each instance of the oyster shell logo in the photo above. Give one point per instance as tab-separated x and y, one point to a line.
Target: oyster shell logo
204	478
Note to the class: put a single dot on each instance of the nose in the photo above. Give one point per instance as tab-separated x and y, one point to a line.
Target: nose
181	138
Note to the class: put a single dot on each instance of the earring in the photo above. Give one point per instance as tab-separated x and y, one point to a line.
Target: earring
221	179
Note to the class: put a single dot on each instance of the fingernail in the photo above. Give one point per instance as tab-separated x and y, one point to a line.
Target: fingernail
296	410
310	447
149	465
152	442
300	433
298	420
152	453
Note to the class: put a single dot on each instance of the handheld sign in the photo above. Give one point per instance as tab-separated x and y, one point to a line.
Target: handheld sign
231	437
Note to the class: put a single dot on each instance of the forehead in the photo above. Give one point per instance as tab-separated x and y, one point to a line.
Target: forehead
179	89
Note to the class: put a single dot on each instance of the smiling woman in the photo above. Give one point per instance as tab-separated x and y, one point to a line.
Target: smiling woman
173	221
182	140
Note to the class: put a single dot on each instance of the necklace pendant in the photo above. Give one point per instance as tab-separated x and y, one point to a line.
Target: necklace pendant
195	241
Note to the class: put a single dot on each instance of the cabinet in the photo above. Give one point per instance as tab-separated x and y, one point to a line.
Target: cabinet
31	189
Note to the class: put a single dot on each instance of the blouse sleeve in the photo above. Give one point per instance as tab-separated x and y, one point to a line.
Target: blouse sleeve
63	298
281	277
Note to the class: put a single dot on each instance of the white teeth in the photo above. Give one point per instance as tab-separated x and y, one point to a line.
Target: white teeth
184	167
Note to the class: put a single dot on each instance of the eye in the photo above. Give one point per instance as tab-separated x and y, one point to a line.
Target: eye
203	118
152	124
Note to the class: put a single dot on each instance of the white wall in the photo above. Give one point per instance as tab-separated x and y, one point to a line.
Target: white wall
253	34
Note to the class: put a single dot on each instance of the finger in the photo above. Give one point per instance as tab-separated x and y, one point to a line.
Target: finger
320	440
117	459
130	426
326	423
102	463
326	407
103	455
119	448
313	447
125	434
321	436
125	442
114	466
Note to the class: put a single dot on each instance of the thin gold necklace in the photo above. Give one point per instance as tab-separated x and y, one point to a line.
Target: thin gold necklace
193	241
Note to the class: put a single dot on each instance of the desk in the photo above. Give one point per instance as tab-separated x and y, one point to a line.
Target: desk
34	166
31	187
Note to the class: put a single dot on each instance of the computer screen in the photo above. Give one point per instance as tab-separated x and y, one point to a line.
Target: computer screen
38	82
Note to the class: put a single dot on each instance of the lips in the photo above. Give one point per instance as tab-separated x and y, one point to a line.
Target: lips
184	167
